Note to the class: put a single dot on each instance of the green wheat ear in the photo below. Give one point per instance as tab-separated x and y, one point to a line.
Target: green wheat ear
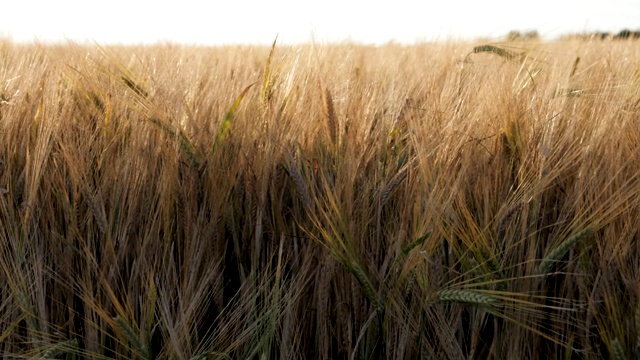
617	351
139	347
185	144
67	347
226	122
561	250
465	296
365	282
211	355
407	248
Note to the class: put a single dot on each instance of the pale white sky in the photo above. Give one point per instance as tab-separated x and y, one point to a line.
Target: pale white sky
255	21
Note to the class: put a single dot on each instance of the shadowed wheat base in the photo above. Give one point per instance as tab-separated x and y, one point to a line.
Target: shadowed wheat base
320	202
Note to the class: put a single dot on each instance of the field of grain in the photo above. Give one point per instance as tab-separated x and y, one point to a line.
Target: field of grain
437	201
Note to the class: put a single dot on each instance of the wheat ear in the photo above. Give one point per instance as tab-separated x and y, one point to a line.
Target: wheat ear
465	296
561	250
637	320
365	283
330	114
61	348
301	185
617	352
138	347
509	55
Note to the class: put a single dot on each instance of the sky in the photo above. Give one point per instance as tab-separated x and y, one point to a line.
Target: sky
260	21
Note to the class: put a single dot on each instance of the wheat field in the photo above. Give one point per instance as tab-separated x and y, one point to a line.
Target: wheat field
438	201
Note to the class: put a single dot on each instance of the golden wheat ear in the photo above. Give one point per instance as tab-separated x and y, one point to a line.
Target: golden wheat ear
269	78
330	116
